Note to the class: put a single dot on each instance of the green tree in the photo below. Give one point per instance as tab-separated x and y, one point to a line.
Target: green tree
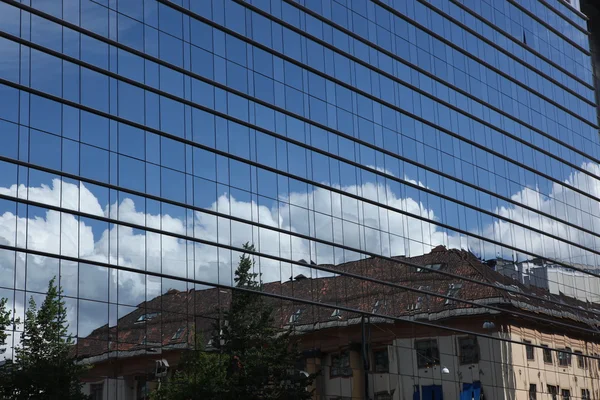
4	321
43	367
200	375
262	357
252	359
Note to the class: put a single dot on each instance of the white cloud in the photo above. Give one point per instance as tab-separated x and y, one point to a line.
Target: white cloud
338	218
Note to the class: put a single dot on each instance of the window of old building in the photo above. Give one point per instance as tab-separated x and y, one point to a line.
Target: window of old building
453	290
177	335
97	391
382	363
552	391
547	354
147	317
585	394
580	360
430	267
295	316
529	350
428	353
564	357
340	365
469	350
532	391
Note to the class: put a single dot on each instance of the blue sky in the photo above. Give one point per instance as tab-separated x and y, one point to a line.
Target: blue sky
47	134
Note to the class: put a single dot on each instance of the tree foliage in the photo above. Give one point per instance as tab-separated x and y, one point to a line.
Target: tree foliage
4	321
43	367
201	375
253	358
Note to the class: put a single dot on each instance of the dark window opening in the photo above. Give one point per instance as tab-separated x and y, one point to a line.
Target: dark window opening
97	391
382	362
564	357
469	350
532	391
553	391
547	354
529	350
428	353
340	365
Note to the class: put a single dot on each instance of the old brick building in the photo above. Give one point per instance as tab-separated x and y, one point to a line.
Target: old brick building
409	341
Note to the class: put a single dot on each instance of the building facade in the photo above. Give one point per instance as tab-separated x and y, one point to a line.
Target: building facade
144	142
366	356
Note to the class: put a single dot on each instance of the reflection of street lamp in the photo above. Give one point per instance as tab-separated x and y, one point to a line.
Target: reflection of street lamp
444	370
489	325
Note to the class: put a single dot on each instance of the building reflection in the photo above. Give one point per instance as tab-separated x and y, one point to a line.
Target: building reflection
444	325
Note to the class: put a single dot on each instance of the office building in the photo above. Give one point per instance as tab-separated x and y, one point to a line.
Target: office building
144	142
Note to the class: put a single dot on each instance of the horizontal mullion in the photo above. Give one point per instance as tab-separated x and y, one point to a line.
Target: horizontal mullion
533	51
258	165
392	106
508	53
318	267
400	110
241	220
317	184
572	9
416	67
304	119
242	160
564	17
482	62
311	148
550	28
292	299
224	87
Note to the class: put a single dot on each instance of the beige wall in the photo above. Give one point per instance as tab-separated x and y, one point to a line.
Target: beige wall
503	369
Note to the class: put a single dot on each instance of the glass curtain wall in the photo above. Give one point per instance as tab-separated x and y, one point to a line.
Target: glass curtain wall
420	180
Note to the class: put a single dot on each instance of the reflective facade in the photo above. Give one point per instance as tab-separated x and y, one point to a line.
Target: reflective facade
427	168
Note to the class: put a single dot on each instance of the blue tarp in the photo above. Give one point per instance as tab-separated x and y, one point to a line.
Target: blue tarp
471	391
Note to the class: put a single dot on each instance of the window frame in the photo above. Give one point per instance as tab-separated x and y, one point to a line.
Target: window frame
547	354
585	394
433	357
476	357
532	391
581	362
340	371
95	390
564	357
383	369
552	390
529	350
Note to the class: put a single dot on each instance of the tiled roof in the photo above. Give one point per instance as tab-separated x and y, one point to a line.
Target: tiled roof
180	312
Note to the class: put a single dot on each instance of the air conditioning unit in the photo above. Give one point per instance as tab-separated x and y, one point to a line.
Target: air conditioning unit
162	367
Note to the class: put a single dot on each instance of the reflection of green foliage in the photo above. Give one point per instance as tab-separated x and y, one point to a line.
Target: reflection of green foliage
43	367
254	358
200	375
4	321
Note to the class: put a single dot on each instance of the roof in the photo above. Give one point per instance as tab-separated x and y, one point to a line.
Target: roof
167	321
